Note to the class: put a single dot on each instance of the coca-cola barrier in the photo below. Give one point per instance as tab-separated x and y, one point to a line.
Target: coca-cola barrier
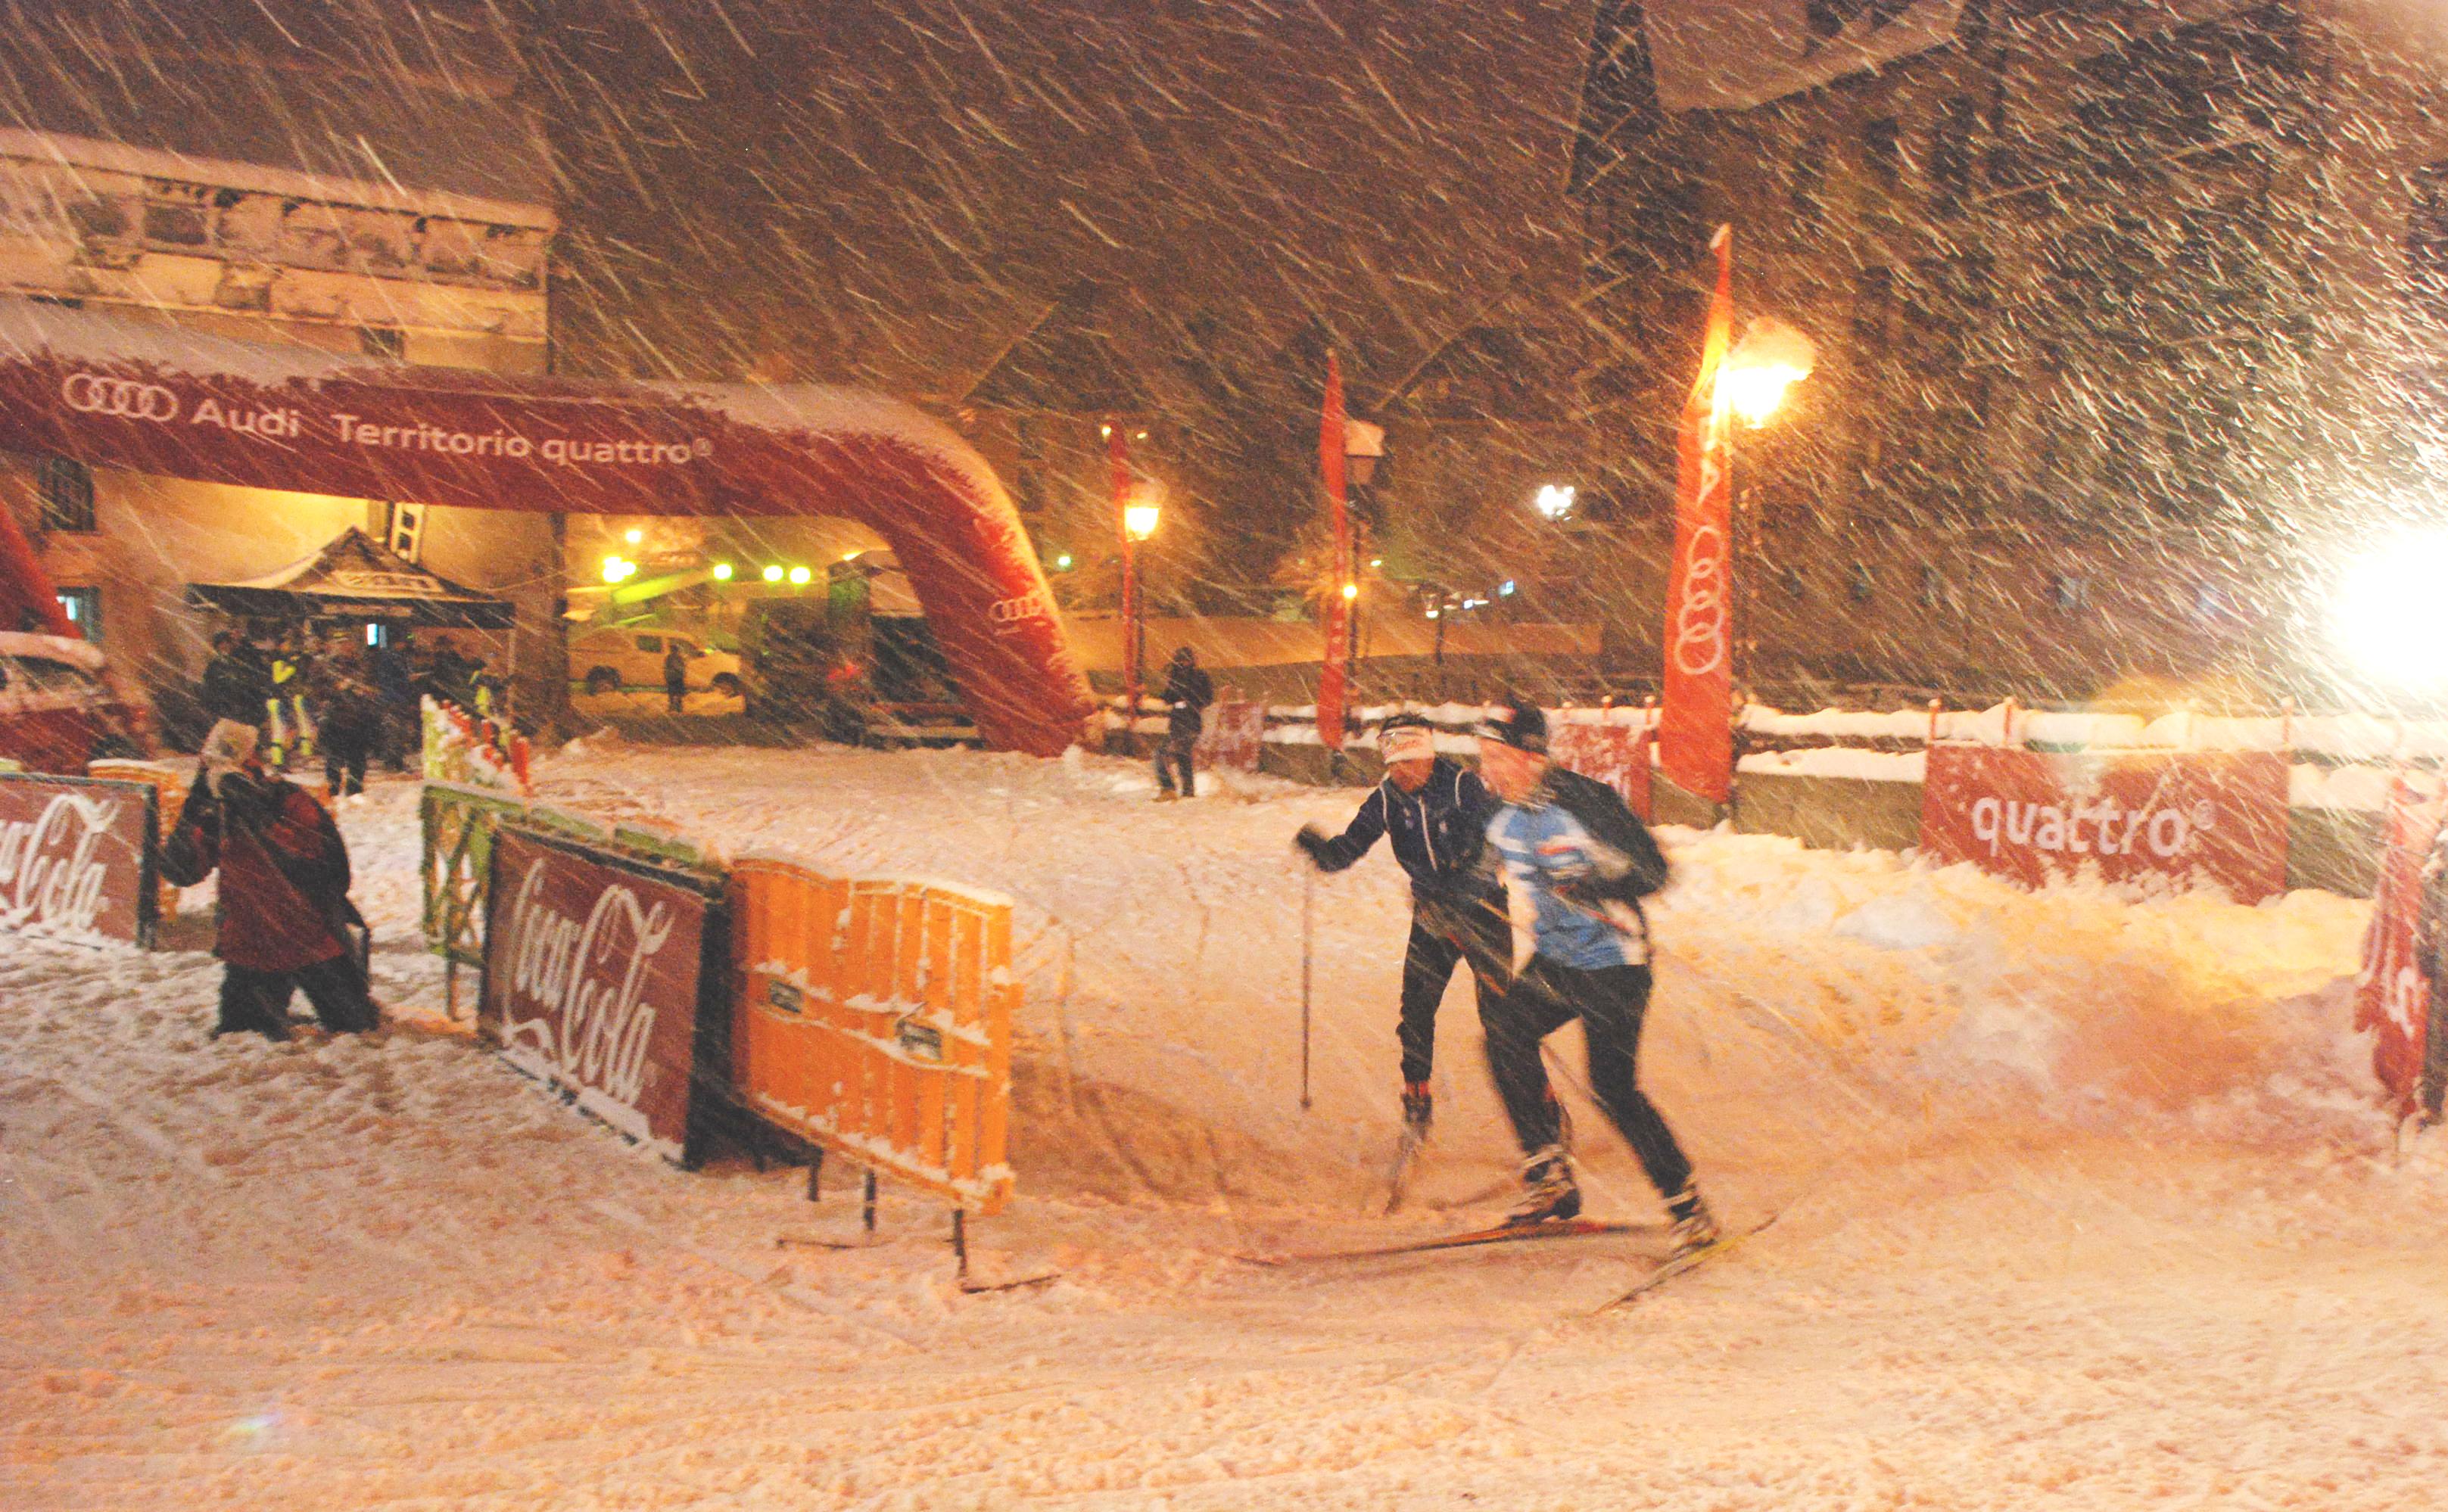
1613	753
873	1018
2177	818
606	976
79	860
1234	734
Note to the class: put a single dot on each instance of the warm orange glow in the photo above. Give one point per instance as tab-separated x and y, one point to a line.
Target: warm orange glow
1140	520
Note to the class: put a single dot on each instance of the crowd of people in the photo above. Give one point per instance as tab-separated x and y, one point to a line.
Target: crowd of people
345	704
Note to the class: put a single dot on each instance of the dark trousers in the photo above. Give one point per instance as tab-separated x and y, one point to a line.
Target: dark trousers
1176	749
257	1002
1444	934
1610	1003
344	758
677	692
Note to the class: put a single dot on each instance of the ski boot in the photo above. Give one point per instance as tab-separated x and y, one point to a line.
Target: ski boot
1419	1109
1549	1193
1695	1227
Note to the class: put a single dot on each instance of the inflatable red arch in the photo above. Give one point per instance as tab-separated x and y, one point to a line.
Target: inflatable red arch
157	399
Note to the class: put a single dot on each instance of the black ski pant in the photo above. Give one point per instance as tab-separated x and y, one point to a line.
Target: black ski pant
1176	749
257	1002
344	764
1444	934
1610	1002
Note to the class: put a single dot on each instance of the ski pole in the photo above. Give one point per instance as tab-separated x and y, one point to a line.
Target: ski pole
1308	915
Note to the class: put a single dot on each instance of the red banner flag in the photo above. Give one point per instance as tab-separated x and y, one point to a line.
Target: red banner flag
1695	731
2392	992
1329	466
1118	454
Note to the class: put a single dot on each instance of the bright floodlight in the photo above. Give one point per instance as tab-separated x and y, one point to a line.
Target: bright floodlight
1140	520
615	569
635	537
2387	616
1062	562
1555	500
722	572
1771	357
799	577
773	573
1351	590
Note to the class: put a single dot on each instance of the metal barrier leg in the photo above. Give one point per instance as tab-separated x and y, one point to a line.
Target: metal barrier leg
816	1172
867	1209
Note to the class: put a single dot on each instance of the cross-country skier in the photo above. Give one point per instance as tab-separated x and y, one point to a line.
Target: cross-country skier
1435	816
1577	864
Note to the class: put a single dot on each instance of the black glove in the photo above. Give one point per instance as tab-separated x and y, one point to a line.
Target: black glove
1312	840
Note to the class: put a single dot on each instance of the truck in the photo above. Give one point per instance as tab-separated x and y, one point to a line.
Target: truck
859	663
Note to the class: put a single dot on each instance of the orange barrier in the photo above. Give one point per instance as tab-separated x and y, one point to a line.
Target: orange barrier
165	779
873	1016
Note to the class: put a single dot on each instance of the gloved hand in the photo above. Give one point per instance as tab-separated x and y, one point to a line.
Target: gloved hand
1583	891
1312	840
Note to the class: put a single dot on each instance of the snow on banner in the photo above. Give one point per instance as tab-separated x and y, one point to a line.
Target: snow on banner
2393	990
2179	818
598	973
78	858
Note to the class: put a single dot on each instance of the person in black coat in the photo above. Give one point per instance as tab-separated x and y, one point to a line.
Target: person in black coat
1434	816
234	685
1188	691
675	676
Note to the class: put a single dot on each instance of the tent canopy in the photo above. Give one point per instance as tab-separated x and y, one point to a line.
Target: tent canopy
356	577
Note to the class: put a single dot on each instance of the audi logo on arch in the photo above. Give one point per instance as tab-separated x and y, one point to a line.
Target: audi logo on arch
1006	614
124	398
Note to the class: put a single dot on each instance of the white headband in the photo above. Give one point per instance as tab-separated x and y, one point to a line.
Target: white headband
1409	742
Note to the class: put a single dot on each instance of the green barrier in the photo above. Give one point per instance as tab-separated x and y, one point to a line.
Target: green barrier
459	825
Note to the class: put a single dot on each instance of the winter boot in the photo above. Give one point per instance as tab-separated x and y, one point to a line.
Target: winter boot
1548	1191
1696	1227
1419	1109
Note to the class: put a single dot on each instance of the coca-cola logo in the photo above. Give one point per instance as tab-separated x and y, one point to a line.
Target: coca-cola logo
2102	828
585	981
52	872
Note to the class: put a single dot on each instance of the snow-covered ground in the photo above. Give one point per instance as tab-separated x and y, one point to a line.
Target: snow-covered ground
2083	1205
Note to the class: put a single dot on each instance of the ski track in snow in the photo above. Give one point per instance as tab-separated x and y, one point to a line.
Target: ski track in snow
2085	1205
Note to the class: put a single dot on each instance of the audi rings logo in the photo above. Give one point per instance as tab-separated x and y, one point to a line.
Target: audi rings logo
1006	614
1701	620
123	398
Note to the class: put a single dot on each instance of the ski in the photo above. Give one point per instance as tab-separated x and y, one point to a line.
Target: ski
1502	1233
1682	1264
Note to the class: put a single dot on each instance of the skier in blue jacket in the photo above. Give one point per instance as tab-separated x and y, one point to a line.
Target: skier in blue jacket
1435	816
1577	864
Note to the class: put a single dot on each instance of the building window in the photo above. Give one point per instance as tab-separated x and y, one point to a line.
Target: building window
1806	194
83	608
1860	586
383	341
66	492
1874	308
1950	155
2068	592
1882	152
2426	241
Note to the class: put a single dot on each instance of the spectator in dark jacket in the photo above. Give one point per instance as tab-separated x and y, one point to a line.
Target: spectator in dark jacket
394	677
1434	816
1188	691
675	676
285	915
349	719
234	687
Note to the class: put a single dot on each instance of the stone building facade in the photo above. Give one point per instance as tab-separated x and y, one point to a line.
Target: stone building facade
278	194
2126	326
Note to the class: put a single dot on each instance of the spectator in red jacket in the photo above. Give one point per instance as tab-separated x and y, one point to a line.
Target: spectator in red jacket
286	921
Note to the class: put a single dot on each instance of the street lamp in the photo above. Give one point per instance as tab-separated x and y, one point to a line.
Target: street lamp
1555	500
1771	359
773	572
1140	521
1141	515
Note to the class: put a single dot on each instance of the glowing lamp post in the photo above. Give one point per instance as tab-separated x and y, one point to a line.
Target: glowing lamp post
1771	359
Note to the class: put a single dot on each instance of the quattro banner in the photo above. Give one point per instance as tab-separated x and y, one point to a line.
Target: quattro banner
2178	820
78	859
604	976
2394	990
